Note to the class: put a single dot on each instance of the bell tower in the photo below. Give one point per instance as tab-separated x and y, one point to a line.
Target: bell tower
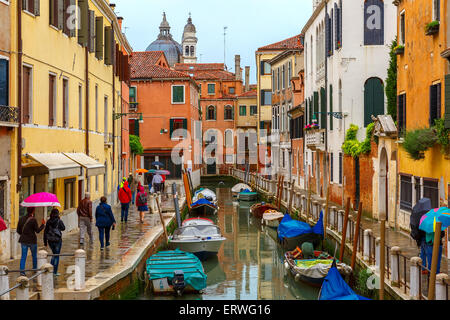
189	42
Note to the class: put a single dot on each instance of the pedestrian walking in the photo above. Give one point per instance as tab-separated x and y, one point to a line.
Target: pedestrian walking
141	202
27	228
84	212
427	245
125	199
156	182
163	183
133	184
104	220
53	237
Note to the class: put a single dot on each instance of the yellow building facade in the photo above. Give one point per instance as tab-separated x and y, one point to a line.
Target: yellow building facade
72	71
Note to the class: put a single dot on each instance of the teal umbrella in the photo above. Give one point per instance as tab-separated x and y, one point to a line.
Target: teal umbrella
428	220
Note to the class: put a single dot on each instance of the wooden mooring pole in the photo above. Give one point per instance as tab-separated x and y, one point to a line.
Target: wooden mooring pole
356	236
382	255
162	219
344	231
434	262
325	214
281	192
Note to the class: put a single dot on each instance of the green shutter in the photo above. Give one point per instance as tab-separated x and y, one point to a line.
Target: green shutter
331	106
136	128
316	105
108	47
447	101
373	99
323	109
171	128
99	38
91	41
83	21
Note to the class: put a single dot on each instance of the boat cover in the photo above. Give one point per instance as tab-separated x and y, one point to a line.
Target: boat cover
203	201
246	191
335	288
204	193
163	265
290	228
317	268
239	187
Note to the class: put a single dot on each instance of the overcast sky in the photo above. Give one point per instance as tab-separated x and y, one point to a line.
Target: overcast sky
251	24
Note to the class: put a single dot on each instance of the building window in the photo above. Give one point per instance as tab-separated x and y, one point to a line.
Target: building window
266	97
231	90
283	75
52	100
289	73
437	10
176	124
273	81
265	68
431	191
186	53
401	112
435	103
417	189
32	6
373	99
133	100
27	93
192	51
54	13
374	22
242	110
4	82
211	113
211	88
278	79
229	159
405	192
253	110
402	29
65	103
228	113
177	94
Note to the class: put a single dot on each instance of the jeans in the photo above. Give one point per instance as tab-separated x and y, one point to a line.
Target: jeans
84	223
132	196
428	250
124	211
103	232
23	259
56	249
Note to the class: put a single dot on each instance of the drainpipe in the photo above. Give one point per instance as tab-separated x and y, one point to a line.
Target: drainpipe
87	100
325	181
19	96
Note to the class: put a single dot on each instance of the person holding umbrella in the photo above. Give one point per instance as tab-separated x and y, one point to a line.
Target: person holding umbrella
421	208
27	228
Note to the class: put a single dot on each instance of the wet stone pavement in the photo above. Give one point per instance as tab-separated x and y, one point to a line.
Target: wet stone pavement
97	261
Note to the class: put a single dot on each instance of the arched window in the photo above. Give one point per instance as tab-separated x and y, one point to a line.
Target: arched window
192	51
211	113
187	51
373	99
228	138
228	113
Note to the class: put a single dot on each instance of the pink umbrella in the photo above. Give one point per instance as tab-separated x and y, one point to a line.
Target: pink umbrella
42	199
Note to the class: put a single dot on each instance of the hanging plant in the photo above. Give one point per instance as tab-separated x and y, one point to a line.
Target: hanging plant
135	145
417	141
352	146
432	28
442	136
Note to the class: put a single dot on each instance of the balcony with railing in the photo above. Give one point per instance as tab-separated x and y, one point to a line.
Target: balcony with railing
9	116
315	139
133	106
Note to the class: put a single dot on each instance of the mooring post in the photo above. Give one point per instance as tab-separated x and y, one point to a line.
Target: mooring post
441	287
48	291
4	282
395	254
356	236
41	261
382	255
344	230
23	292
434	261
80	269
414	278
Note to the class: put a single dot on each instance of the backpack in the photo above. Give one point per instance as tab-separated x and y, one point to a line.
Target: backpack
142	197
54	234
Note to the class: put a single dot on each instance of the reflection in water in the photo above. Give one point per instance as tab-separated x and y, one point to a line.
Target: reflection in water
249	265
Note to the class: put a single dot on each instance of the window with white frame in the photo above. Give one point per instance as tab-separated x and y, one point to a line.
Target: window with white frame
402	27
177	94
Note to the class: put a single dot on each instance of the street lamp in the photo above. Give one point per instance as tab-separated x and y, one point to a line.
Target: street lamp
120	115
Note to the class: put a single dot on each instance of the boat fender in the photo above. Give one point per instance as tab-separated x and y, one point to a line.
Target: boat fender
297	277
286	265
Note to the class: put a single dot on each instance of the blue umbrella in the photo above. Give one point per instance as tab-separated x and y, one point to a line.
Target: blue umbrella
428	220
157	163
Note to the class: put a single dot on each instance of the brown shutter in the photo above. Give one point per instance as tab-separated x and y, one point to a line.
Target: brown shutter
60	19
26	95
51	102
83	30
91	42
108	46
99	38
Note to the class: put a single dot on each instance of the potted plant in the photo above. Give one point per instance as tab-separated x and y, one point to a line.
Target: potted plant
312	126
432	28
400	49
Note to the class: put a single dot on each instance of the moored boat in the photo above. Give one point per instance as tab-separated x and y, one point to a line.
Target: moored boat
199	236
313	271
293	233
203	207
272	218
204	193
247	195
239	188
175	272
258	209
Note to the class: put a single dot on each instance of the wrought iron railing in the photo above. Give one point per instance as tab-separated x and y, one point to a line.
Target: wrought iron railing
9	114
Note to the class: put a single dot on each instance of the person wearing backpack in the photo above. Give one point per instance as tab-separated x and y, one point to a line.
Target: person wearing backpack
53	237
27	228
104	220
141	202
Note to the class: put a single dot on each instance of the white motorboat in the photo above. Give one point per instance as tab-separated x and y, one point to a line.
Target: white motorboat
199	236
272	218
239	188
204	193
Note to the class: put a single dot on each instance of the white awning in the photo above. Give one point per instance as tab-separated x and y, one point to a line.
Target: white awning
59	166
93	167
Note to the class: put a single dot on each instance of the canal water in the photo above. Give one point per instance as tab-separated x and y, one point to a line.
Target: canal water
249	264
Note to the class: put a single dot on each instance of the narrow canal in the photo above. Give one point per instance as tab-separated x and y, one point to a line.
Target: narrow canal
249	264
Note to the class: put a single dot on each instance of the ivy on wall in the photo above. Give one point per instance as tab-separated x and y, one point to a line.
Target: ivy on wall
352	146
391	82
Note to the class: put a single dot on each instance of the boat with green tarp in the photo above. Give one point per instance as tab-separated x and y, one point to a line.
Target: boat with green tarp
175	271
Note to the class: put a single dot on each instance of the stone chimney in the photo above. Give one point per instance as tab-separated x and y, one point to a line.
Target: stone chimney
247	78
120	20
237	69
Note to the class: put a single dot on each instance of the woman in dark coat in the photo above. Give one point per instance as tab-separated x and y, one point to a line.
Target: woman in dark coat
104	219
53	237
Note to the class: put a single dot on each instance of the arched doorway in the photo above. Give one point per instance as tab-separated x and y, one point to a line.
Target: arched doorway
383	186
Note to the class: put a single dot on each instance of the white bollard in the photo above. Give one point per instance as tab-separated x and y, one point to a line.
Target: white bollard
414	278
441	288
366	251
4	282
340	220
23	292
331	215
377	253
41	261
395	253
80	269
48	290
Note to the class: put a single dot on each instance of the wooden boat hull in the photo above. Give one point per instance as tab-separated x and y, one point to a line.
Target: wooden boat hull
203	210
203	249
258	209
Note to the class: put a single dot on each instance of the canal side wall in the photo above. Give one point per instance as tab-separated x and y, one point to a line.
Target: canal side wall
131	268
